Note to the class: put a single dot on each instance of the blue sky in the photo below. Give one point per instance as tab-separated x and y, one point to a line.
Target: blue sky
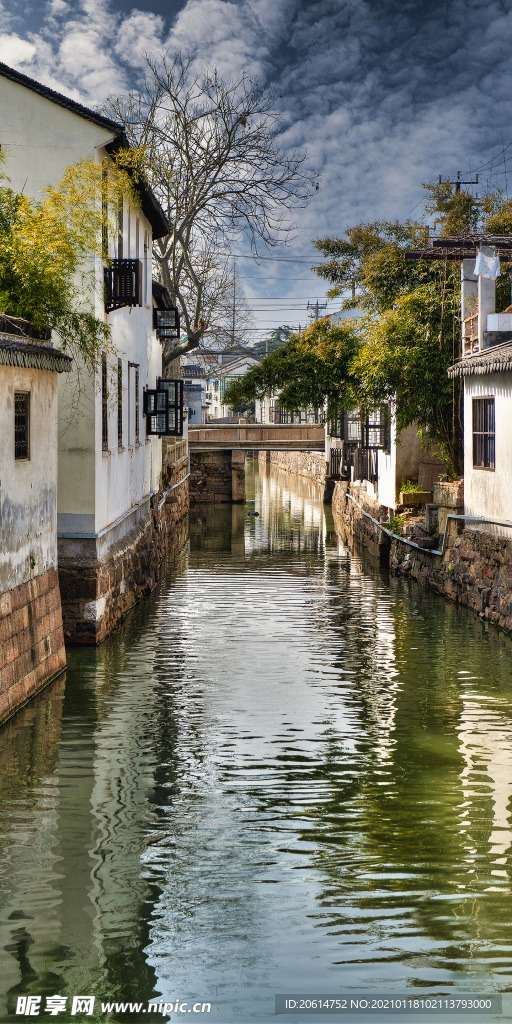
384	95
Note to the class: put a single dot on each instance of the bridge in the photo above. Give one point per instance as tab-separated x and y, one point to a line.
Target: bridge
299	437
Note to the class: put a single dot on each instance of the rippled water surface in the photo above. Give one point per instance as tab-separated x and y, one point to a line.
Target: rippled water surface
286	772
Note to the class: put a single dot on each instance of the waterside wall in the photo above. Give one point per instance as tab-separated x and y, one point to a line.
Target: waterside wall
217	477
101	578
311	465
474	570
31	640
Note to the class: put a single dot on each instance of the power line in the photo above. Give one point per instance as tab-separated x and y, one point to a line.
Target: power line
275	259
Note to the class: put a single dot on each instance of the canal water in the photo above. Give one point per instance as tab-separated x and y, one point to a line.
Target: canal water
286	772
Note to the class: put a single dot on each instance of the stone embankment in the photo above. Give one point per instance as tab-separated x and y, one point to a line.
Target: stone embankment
311	465
97	593
474	569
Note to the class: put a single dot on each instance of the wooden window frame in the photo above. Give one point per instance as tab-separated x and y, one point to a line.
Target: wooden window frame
483	426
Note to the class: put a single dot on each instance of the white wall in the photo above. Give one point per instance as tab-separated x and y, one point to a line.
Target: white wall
488	492
28	488
39	139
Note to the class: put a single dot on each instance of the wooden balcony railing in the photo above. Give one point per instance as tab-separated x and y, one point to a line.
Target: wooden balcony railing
123	284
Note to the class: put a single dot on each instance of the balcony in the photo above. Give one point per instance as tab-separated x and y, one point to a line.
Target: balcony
123	284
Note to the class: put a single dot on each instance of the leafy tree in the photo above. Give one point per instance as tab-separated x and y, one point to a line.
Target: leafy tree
44	249
212	153
275	339
308	370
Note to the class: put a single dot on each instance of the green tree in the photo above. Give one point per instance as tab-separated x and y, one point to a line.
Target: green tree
46	252
308	370
274	339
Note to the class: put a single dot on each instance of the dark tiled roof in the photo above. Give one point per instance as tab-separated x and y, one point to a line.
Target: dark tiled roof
63	101
497	359
38	356
148	201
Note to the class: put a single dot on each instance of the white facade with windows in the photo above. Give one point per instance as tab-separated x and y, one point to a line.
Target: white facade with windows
28	459
108	467
97	485
486	369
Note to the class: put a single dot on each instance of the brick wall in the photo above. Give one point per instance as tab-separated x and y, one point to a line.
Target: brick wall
31	640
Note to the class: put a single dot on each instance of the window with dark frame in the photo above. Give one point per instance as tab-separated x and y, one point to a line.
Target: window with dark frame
484	433
21	425
104	404
104	212
119	403
136	404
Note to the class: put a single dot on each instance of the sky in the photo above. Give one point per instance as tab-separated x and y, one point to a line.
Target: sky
382	95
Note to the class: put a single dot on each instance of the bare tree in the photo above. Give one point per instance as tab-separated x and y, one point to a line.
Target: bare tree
233	320
211	152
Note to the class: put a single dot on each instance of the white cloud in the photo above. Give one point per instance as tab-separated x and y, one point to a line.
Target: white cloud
385	94
15	51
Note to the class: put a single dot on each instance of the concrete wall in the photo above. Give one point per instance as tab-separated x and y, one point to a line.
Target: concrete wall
28	488
487	492
407	460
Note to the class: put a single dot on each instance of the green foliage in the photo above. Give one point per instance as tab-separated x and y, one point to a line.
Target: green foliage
396	523
410	487
404	358
309	369
457	212
275	339
43	249
369	260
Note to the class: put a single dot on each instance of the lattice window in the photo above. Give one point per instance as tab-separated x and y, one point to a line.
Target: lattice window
137	411
119	403
104	404
21	425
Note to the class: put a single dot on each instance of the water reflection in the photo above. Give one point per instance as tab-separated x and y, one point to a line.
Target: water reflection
284	771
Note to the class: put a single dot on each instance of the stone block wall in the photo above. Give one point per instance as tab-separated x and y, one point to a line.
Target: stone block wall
309	464
98	592
475	569
31	640
217	477
353	524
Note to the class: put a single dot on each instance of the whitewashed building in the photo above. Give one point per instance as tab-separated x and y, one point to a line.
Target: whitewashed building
109	468
31	636
486	369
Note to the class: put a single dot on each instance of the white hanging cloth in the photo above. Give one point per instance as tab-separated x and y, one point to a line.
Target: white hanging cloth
487	266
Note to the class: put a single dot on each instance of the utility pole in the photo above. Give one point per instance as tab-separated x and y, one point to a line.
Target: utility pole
316	307
458	182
